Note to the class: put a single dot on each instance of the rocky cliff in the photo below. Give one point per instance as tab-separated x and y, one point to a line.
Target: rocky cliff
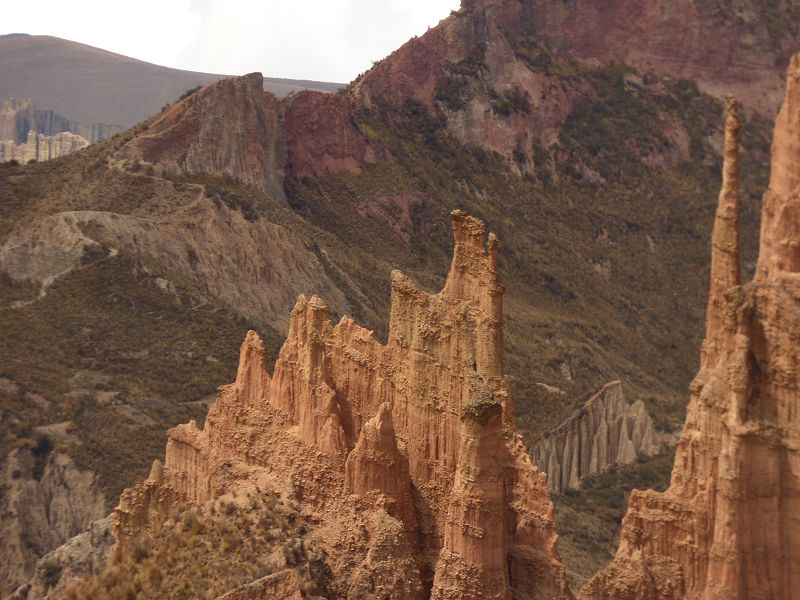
405	456
606	430
729	524
46	500
725	47
231	127
17	117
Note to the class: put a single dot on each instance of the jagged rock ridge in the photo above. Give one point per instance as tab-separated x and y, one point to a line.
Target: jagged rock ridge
604	431
729	524
406	456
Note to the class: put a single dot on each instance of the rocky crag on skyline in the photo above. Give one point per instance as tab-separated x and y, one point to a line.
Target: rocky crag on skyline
404	457
729	524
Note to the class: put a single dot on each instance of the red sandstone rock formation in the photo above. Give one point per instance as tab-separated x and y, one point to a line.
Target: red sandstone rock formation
405	458
728	527
726	47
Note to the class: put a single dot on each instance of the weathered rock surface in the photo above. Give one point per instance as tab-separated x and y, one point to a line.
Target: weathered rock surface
729	524
257	267
405	457
230	127
284	585
46	501
79	558
605	431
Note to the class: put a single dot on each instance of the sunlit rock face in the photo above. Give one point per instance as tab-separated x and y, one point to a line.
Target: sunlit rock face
406	455
729	524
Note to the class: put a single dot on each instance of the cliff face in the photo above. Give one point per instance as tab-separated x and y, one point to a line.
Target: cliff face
729	524
603	432
230	127
17	117
46	501
737	48
406	455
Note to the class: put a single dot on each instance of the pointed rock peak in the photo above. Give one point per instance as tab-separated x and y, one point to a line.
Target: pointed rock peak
785	175
252	379
780	216
156	472
382	421
376	464
467	230
725	269
473	271
317	304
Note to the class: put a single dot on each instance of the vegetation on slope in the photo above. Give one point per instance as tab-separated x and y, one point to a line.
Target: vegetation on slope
203	552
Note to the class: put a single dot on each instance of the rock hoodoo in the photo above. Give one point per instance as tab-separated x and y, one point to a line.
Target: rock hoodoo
604	431
406	457
728	527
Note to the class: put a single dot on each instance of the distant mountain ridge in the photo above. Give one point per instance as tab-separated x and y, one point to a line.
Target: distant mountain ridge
90	85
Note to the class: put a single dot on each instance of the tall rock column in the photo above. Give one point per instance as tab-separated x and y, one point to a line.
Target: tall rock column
780	215
725	270
473	561
728	527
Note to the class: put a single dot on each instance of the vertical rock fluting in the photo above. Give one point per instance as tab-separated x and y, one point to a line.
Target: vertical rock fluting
406	455
604	431
780	216
728	527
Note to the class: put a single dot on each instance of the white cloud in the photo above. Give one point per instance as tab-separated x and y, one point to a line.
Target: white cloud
330	40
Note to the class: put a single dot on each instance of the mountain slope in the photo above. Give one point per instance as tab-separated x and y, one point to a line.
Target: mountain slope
90	85
600	180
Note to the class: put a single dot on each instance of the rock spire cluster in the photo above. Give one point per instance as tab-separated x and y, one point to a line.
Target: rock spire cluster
728	527
406	455
604	431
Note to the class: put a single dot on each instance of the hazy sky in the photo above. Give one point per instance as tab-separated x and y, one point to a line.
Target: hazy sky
329	40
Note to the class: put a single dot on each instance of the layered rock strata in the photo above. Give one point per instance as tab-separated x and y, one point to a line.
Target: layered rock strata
603	432
404	457
728	527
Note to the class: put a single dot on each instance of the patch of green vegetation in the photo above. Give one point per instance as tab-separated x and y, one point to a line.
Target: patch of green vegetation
453	88
541	60
588	519
157	353
511	102
612	123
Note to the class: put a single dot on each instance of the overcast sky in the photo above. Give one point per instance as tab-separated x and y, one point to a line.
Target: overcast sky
327	40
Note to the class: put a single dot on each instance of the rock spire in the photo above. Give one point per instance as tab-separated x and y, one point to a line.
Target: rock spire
728	527
407	454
